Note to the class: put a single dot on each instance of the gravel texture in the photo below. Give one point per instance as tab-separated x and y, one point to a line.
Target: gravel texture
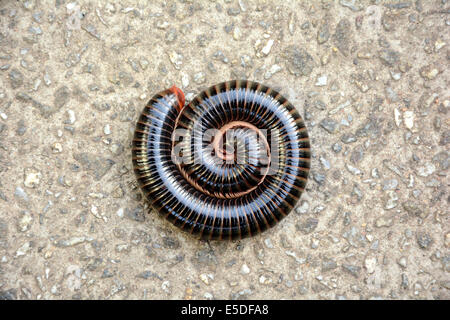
370	79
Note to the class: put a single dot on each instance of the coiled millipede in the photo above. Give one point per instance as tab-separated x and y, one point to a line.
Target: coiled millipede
229	164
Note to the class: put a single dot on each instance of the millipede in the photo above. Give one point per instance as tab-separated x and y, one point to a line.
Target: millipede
229	164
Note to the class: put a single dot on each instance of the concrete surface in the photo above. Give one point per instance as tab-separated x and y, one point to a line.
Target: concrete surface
370	78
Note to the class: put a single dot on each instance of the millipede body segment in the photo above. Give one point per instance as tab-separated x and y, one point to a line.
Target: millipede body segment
229	164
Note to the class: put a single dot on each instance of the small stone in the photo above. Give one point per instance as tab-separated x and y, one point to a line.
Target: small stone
136	214
388	57
292	23
328	265
237	33
92	31
245	269
176	59
392	200
336	147
25	221
321	81
61	97
202	40
57	147
94	164
397	117
443	160
445	138
21	128
107	274
426	170
47	78
171	243
424	240
116	148
429	72
325	163
20	194
29	4
388	22
319	178
303	208
364	54
23	250
340	107
273	69
16	78
315	243
268	243
402	262
323	34
357	155
405	281
2	127
447	240
205	278
10	294
161	24
354	237
302	290
147	274
199	77
70	242
384	222
119	212
395	75
370	264
246	61
408	119
95	212
391	95
219	55
123	247
298	61
73	277
133	64
243	5
143	62
32	178
329	125
266	49
171	35
390	184
308	226
438	45
414	209
351	269
107	129
342	36
375	174
353	170
233	11
347	218
348	138
354	5
184	80
71	117
325	58
265	280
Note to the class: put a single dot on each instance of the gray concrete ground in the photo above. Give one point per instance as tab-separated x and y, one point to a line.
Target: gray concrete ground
370	79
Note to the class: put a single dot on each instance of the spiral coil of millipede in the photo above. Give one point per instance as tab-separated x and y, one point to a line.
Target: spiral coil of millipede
214	184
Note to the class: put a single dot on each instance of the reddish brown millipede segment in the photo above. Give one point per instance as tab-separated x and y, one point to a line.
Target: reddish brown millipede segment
231	163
